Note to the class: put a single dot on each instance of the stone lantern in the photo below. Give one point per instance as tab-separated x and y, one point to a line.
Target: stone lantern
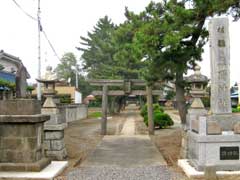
49	80
54	128
198	83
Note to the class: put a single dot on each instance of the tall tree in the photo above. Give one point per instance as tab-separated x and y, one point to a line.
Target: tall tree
98	50
127	59
108	54
172	35
67	68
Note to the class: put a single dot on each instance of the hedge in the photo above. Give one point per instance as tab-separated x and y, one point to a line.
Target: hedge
161	119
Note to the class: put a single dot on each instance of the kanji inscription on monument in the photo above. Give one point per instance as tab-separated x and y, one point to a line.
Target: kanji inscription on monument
220	66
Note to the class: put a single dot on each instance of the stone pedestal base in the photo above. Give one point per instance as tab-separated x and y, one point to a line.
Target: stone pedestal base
21	136
54	140
48	173
24	167
214	143
206	150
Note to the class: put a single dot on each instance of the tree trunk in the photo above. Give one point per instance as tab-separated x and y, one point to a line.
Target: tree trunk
180	97
181	105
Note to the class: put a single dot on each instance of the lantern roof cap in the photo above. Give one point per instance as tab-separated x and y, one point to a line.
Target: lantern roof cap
197	77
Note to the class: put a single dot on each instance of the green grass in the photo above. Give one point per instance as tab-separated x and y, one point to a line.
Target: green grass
95	115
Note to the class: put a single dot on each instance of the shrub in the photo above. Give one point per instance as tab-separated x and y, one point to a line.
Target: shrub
156	107
30	88
7	84
65	99
161	119
235	110
143	111
145	120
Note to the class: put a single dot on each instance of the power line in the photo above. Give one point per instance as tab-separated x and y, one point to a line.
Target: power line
40	26
30	16
49	42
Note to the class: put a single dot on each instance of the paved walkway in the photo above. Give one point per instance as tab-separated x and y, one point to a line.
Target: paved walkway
125	151
123	157
128	127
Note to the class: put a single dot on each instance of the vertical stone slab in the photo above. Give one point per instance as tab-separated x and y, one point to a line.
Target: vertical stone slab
220	65
104	110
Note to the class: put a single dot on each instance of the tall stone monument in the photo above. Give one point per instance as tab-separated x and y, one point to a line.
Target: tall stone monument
220	66
214	138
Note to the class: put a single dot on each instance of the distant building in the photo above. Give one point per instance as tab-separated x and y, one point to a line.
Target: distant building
13	76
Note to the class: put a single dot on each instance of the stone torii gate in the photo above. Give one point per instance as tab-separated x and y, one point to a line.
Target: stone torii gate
127	90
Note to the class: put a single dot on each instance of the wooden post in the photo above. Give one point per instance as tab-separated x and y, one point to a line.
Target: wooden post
104	110
150	110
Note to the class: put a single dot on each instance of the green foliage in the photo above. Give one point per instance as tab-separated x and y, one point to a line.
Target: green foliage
171	35
30	88
160	43
156	108
236	110
108	52
98	50
5	83
95	115
206	101
84	86
65	99
67	68
161	119
144	111
170	95
96	103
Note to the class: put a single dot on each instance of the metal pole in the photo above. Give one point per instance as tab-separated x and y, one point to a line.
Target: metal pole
39	52
76	78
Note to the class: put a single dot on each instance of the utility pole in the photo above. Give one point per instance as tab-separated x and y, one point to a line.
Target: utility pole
39	51
76	78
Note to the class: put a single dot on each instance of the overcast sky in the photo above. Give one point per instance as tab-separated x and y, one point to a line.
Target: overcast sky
66	20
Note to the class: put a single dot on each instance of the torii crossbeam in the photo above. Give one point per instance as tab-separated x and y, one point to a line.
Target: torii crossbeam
127	90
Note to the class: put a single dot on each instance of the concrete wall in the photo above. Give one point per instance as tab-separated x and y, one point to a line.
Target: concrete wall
73	112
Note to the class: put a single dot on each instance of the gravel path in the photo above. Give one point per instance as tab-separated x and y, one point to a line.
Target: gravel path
116	173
